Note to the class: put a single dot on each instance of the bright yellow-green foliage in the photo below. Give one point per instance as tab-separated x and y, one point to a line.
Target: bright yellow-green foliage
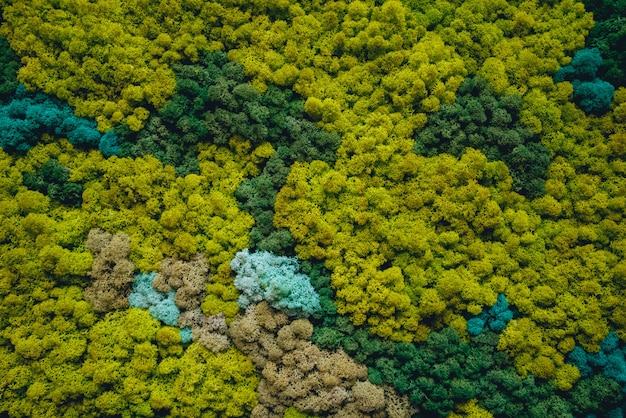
516	48
65	363
166	215
111	59
470	410
163	214
410	255
222	384
443	237
42	326
149	371
107	58
40	241
351	59
509	43
413	244
41	354
572	291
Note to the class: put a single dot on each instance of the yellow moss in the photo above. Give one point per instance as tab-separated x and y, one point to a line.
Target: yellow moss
130	194
219	299
168	335
470	410
566	376
357	228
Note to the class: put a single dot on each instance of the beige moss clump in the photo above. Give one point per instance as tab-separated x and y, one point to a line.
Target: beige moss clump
296	373
112	271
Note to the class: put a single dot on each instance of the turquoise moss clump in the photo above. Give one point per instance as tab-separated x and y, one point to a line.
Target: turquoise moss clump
28	116
610	360
495	318
161	305
591	93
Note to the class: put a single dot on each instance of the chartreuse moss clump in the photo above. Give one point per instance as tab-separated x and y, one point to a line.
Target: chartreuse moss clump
148	369
59	357
434	230
110	61
166	215
42	354
68	363
162	214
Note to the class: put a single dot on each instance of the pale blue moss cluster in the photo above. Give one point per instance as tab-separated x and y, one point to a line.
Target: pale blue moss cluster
160	304
263	276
